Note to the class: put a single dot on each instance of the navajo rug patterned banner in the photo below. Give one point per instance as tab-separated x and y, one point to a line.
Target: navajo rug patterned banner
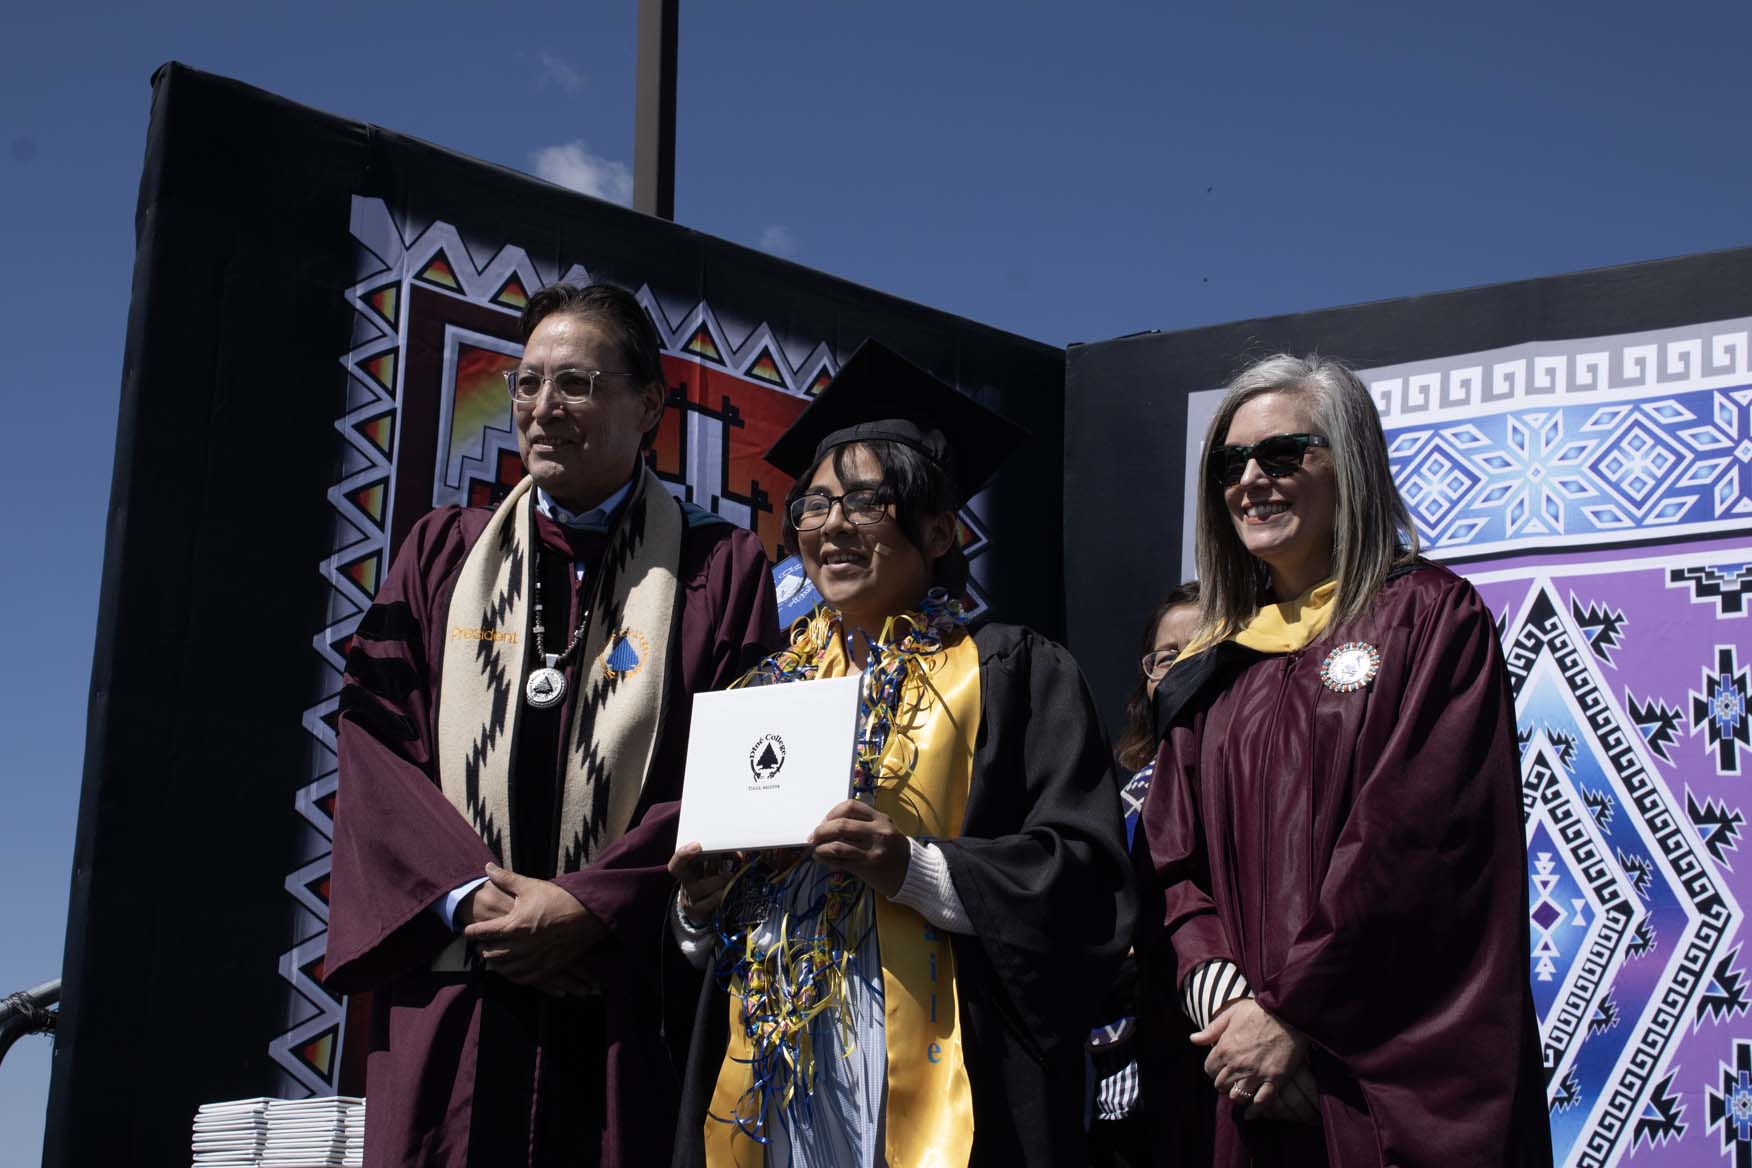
427	423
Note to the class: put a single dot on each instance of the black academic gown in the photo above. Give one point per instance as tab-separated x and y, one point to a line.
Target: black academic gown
1040	867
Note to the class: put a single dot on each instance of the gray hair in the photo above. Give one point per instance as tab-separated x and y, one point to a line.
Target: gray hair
1372	530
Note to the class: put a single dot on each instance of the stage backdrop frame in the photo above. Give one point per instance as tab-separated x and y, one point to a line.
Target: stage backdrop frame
261	482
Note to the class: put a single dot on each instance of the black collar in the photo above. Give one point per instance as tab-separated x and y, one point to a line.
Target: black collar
1185	680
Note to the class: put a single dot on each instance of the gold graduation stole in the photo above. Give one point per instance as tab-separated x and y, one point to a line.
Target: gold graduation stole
928	1118
1282	628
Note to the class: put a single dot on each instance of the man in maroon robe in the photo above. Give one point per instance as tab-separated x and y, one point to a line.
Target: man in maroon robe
499	880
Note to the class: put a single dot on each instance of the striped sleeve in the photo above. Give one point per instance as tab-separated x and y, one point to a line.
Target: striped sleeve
1117	1095
1210	987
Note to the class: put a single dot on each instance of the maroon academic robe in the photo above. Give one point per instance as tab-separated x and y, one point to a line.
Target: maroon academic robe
1360	856
467	1068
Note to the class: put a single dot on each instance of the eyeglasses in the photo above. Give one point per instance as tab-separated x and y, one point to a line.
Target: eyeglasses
862	507
575	386
1277	456
1156	663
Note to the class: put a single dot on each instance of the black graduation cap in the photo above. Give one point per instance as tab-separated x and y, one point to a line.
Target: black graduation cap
880	396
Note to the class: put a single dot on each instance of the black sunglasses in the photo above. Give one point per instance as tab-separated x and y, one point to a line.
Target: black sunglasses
1277	456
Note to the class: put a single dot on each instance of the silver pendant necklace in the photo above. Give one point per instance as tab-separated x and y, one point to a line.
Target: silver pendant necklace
546	686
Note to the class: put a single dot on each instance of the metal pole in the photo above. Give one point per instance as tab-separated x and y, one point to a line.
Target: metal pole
27	1012
654	110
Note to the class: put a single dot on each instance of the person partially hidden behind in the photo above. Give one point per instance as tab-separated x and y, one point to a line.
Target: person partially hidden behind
1333	834
512	735
1121	1135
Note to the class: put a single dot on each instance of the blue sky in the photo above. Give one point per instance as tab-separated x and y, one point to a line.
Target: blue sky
1069	172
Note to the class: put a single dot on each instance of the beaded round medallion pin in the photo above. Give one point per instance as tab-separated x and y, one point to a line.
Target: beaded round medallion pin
1350	667
791	973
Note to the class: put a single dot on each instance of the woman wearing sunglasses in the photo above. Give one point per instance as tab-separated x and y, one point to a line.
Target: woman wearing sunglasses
1334	829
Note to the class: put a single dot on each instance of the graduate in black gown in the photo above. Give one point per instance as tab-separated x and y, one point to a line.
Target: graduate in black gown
988	847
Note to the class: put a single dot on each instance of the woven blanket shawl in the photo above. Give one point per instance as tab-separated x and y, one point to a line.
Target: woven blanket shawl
615	712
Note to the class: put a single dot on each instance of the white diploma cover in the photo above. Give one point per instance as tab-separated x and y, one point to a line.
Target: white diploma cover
767	763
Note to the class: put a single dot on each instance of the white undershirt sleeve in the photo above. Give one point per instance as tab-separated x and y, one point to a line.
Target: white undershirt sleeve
928	889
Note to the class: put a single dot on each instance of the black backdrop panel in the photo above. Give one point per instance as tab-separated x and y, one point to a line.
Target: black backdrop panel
1125	413
307	292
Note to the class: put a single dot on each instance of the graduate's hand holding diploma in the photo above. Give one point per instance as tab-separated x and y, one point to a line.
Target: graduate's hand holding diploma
1260	1061
542	939
702	879
857	838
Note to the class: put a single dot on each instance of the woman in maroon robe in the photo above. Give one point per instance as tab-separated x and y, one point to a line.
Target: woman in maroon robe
512	736
1334	832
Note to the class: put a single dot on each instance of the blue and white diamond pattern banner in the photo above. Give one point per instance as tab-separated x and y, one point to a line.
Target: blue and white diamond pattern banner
1560	476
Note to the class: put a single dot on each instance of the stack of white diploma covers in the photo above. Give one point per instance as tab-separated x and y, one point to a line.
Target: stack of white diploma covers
280	1133
765	764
